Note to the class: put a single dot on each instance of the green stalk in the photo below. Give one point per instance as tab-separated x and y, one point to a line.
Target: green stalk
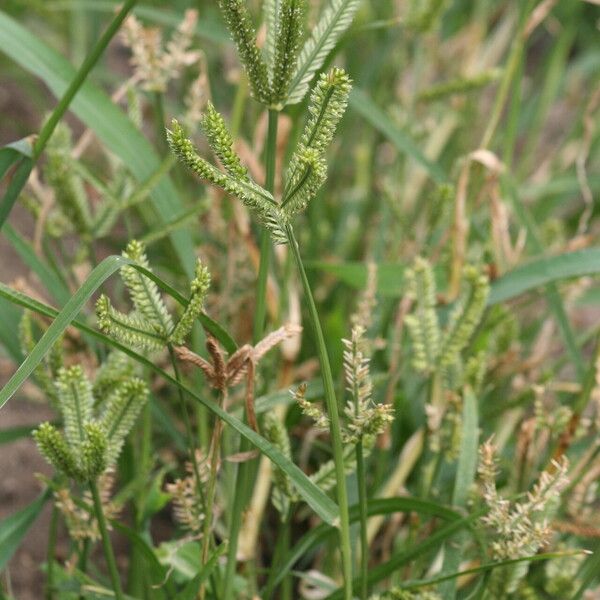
215	452
281	543
51	553
108	551
362	508
88	64
334	419
243	483
25	167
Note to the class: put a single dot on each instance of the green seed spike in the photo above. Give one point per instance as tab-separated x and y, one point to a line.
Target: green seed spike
305	181
466	317
76	403
328	102
243	33
94	451
132	330
199	289
219	138
54	448
257	199
327	105
423	323
144	292
287	45
114	370
122	409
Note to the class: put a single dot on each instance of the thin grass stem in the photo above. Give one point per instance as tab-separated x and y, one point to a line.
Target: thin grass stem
106	545
334	418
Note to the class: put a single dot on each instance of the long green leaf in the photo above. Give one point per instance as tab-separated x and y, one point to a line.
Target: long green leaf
101	115
191	589
14	528
376	506
314	497
522	279
465	475
52	283
362	104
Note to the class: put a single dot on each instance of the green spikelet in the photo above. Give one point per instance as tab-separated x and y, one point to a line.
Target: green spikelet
144	292
68	186
93	451
122	409
199	289
54	448
307	169
243	33
257	199
287	45
423	324
114	370
132	330
76	404
310	409
220	141
283	491
328	102
465	317
304	182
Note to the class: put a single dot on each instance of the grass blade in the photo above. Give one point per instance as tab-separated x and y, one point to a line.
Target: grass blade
14	528
465	475
364	106
110	124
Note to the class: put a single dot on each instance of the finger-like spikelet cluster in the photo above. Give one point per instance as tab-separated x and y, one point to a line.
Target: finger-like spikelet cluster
466	317
90	444
307	169
304	181
243	33
220	141
423	322
131	329
199	289
257	199
287	45
76	404
519	530
432	348
144	292
365	418
310	409
150	326
122	409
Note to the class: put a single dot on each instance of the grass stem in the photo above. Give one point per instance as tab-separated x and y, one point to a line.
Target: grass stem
106	545
334	418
